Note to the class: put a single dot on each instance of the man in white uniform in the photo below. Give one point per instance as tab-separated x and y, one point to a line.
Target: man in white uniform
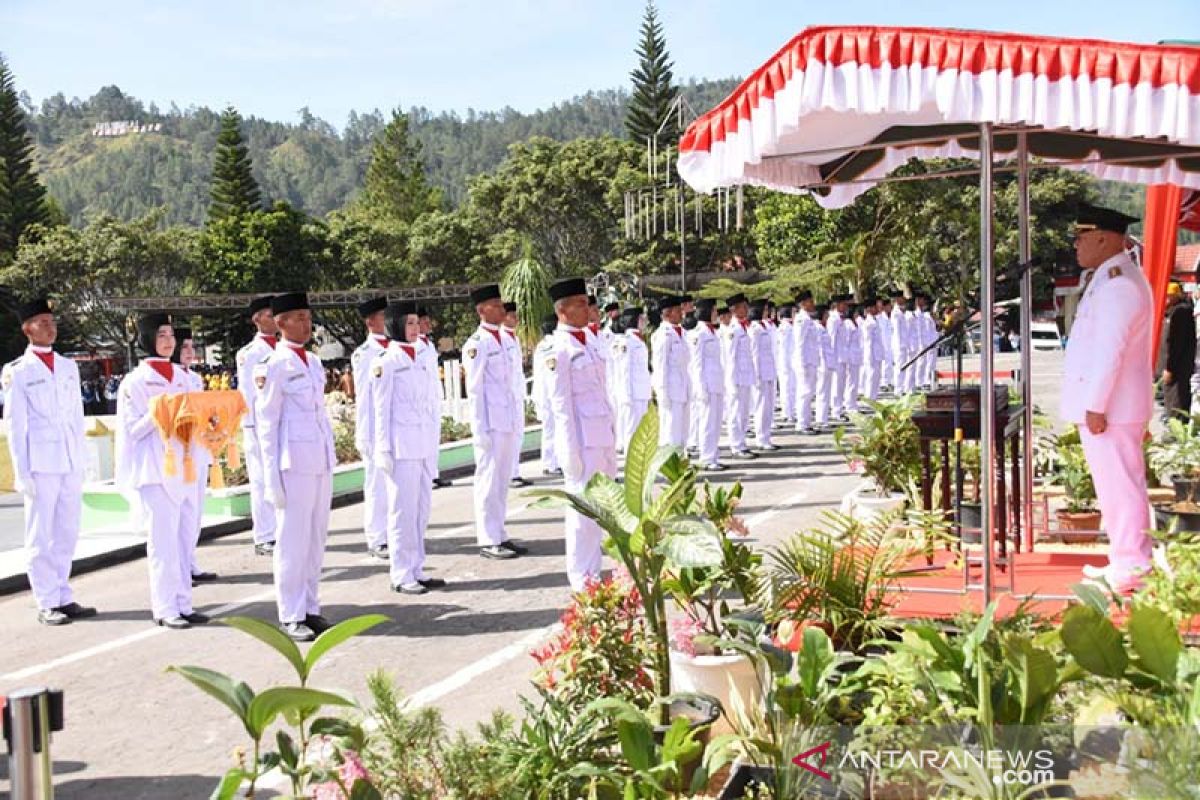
762	395
826	368
739	375
496	422
872	350
669	374
44	410
405	452
785	362
901	344
430	353
513	345
837	368
853	361
584	425
806	354
249	357
1107	389
541	398
154	469
707	376
884	318
374	491
629	366
298	459
927	335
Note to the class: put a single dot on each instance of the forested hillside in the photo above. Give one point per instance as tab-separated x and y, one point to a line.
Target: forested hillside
308	163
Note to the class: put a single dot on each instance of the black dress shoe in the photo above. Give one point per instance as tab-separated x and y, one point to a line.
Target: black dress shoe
298	632
203	577
513	547
196	618
410	588
76	611
432	583
380	552
770	448
745	455
497	552
318	623
519	482
264	548
53	617
557	473
174	623
441	483
716	467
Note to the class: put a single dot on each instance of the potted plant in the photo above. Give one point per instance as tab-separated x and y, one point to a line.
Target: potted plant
1079	519
885	447
655	530
970	513
699	663
1176	455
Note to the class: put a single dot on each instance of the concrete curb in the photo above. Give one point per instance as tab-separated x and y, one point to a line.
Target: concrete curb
12	584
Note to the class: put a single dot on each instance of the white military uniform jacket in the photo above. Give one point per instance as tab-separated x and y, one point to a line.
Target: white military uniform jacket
669	364
402	408
762	350
739	363
491	397
853	342
256	352
785	346
630	368
293	425
583	418
540	390
705	367
872	339
837	338
44	410
512	346
807	347
361	361
1107	368
901	339
141	453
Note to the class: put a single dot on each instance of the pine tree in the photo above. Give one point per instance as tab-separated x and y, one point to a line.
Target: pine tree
22	196
395	186
234	190
653	89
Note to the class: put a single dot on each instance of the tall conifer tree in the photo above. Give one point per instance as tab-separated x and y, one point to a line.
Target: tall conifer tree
653	84
395	186
22	197
234	190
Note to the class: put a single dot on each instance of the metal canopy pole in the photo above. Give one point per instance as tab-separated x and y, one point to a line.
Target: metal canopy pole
987	411
1026	509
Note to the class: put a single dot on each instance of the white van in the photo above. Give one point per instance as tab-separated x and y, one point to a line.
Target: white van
1045	336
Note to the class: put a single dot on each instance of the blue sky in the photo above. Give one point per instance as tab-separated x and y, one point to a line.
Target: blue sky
270	58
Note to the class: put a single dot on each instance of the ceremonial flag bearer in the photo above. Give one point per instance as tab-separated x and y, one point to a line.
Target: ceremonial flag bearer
298	461
374	494
185	356
44	409
249	357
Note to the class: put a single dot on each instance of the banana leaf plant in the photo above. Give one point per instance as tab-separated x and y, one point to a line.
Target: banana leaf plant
651	528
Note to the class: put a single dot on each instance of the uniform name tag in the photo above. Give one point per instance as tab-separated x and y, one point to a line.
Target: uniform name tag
297	377
157	383
31	384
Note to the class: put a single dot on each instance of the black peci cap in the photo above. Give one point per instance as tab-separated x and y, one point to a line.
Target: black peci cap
1095	218
804	295
481	294
704	309
612	307
33	308
372	306
567	287
592	300
670	301
732	301
259	303
549	323
630	316
757	308
510	306
292	301
422	311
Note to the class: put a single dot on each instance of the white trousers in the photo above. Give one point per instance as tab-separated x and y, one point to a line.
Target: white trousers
904	377
837	389
1119	473
201	485
853	381
825	379
888	377
673	424
872	375
408	489
693	435
515	472
585	537
51	532
787	393
629	416
375	504
302	524
262	513
171	533
708	412
493	469
549	458
737	417
930	362
763	398
806	391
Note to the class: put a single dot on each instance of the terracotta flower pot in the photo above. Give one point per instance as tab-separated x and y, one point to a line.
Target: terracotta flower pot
1078	527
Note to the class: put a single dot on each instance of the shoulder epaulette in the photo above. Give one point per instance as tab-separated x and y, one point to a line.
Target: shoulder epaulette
1114	272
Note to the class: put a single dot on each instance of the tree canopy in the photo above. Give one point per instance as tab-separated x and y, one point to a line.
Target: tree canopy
22	196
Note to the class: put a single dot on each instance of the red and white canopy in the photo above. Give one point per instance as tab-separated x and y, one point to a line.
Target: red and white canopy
838	108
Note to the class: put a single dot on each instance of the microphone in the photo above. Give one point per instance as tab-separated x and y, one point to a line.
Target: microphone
1016	272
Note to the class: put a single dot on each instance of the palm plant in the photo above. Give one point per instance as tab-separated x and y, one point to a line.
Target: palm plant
525	282
649	531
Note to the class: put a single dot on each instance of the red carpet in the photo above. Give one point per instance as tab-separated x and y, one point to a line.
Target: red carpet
1036	573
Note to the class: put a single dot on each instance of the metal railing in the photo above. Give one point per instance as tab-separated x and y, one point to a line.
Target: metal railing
30	716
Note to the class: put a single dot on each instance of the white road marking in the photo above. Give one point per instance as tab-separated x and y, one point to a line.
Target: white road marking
766	514
134	638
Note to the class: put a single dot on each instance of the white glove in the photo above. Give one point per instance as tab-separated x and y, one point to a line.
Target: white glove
383	461
274	495
26	486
